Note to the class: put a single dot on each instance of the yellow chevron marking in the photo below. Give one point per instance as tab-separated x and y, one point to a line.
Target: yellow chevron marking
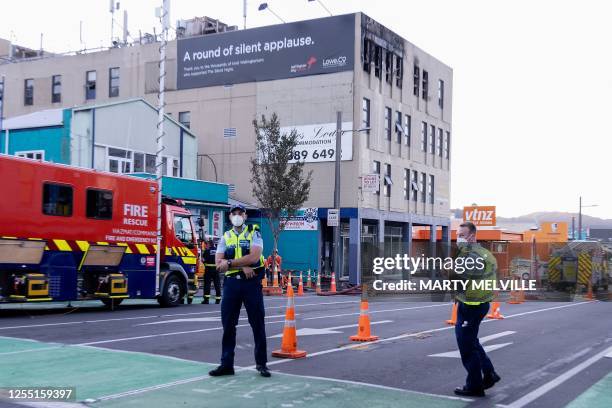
102	243
84	245
142	249
189	260
62	245
127	248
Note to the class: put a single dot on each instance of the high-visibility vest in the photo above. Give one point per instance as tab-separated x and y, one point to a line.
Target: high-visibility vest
489	272
239	245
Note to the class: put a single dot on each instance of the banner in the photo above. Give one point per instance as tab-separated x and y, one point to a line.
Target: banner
290	50
306	219
317	143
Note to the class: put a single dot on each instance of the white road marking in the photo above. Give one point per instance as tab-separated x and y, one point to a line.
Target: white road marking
609	355
200	319
492	347
408	335
307	331
26	326
375	311
496	336
538	392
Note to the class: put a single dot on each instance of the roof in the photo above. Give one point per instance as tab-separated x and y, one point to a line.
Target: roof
132	100
44	118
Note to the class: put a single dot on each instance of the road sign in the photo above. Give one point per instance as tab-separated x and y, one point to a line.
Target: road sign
370	183
480	215
333	217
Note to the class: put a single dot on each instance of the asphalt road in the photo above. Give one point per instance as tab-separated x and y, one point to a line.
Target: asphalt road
548	354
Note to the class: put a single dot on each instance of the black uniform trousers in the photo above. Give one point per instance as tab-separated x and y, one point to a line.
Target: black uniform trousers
211	275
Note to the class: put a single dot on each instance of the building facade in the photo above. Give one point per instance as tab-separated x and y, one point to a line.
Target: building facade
395	99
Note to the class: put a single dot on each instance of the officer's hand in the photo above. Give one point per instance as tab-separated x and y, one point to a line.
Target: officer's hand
222	266
248	272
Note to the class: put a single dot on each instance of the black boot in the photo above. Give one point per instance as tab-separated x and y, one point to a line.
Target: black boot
205	301
263	371
465	392
221	370
217	301
489	380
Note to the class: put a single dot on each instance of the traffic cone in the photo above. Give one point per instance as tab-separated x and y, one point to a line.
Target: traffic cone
289	284
289	342
332	289
300	291
589	294
453	319
308	281
495	314
363	331
264	282
516	297
274	277
318	288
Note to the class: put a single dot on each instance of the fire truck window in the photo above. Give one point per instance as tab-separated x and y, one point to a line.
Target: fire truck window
57	200
182	229
99	204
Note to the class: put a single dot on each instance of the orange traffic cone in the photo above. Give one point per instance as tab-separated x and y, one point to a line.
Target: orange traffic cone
274	277
453	318
589	294
516	297
308	281
289	342
300	291
318	288
264	282
495	314
363	332
289	284
332	289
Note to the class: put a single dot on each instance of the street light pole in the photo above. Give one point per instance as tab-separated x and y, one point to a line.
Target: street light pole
580	207
337	193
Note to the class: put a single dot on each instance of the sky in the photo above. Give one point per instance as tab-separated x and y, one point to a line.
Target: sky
532	81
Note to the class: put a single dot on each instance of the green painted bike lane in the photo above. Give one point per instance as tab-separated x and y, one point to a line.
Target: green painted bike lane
598	395
108	378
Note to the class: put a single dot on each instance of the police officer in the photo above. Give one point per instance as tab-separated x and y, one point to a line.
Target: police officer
239	256
210	271
472	307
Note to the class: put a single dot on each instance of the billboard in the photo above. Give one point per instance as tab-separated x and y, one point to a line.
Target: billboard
290	50
480	215
306	219
317	143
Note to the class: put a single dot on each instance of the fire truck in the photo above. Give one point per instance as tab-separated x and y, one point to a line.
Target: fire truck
68	233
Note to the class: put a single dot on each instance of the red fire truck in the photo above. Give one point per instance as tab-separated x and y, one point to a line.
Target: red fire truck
68	233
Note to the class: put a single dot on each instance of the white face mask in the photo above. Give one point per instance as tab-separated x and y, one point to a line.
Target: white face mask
237	220
461	240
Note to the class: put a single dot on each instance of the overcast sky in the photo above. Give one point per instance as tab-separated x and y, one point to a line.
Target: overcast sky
532	81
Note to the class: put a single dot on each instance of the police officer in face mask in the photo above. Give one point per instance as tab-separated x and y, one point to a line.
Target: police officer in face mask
239	257
472	307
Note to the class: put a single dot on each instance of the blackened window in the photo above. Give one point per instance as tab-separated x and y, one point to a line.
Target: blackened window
57	199
416	79
99	204
388	67
399	70
425	84
367	55
113	82
28	92
378	61
90	85
388	123
56	88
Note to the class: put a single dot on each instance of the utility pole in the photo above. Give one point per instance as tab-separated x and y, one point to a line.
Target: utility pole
337	194
244	12
164	17
580	218
6	150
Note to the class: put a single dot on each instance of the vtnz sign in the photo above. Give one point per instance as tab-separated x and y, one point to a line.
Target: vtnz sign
480	215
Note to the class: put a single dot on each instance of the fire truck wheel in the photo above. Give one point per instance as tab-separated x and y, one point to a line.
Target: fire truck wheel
111	303
173	292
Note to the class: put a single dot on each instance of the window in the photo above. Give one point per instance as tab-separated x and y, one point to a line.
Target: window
414	185
424	137
376	170
388	181
430	189
399	70
425	85
441	94
447	146
119	160
399	130
416	78
184	119
377	60
150	163
422	187
113	82
365	113
139	164
406	184
439	142
56	88
28	92
31	154
388	123
407	129
164	166
99	204
175	168
182	229
388	67
367	55
432	139
57	199
90	85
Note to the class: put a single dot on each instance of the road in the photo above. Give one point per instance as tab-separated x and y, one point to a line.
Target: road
549	354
